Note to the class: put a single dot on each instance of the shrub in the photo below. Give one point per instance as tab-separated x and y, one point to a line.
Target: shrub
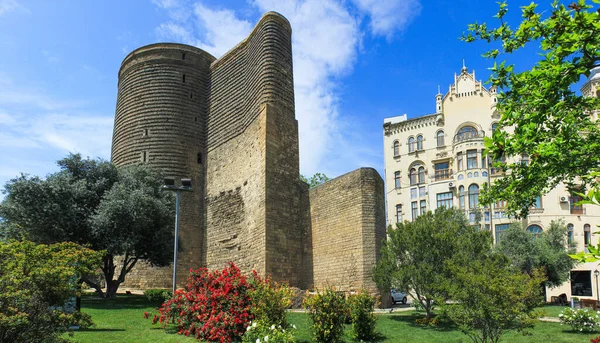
581	319
214	306
363	319
158	296
259	331
36	283
595	340
269	300
326	310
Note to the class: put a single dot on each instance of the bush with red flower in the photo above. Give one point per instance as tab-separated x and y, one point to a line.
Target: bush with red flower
213	306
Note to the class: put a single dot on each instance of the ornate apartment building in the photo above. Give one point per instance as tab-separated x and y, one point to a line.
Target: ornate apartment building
437	160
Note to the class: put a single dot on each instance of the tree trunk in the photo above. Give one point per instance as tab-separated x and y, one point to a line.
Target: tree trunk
112	285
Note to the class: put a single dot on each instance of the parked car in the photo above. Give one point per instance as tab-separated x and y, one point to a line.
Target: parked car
398	297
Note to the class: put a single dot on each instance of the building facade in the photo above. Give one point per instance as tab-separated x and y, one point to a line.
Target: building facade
437	160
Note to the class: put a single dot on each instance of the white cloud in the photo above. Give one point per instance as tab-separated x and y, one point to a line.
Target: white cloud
326	38
388	17
8	5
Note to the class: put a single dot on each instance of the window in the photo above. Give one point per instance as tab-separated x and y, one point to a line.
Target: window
500	230
199	157
398	213
461	197
183	56
444	199
525	160
421	174
396	148
144	156
145	133
587	235
500	204
442	171
581	283
397	179
494	127
466	132
183	78
471	159
419	142
414	210
411	144
473	196
423	207
413	176
459	161
440	138
483	158
413	193
573	200
422	191
535	230
570	234
484	174
537	203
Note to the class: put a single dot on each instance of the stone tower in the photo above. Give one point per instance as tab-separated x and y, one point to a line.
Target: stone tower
230	125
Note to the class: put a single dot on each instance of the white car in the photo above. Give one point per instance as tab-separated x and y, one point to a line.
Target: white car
398	297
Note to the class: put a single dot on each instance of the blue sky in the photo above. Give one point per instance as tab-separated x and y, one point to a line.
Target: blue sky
356	62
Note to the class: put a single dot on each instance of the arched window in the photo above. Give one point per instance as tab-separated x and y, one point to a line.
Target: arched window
419	142
461	197
587	235
397	179
413	176
494	127
440	138
570	234
473	196
396	148
535	230
421	175
484	174
466	132
411	144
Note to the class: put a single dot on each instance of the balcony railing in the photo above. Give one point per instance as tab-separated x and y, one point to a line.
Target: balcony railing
443	174
465	136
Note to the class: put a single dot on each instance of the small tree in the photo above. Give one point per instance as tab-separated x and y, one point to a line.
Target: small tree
546	252
315	180
90	202
490	298
36	281
414	256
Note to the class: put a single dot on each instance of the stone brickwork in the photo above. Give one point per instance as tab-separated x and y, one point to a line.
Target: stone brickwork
230	125
348	228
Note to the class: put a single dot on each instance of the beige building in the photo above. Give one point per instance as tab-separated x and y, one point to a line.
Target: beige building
436	160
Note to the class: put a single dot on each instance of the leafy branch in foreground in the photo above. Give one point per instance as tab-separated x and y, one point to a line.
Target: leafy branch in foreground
542	117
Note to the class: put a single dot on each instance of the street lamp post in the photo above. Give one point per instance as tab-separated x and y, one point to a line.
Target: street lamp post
186	186
596	273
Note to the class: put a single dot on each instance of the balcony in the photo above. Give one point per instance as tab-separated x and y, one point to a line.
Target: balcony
443	174
467	136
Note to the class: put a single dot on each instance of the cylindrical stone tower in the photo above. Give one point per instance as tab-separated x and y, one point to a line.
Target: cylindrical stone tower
162	108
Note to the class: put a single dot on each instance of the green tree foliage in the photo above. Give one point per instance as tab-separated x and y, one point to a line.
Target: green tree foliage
415	256
547	252
327	311
35	282
491	297
122	212
315	180
546	119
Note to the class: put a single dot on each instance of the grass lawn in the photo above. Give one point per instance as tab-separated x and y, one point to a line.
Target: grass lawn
121	320
552	310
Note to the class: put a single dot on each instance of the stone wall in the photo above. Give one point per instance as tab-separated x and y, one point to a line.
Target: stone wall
348	228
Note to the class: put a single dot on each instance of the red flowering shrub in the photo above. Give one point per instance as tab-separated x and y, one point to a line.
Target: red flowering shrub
214	306
595	340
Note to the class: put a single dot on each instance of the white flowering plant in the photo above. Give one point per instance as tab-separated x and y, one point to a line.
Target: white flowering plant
261	332
581	320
